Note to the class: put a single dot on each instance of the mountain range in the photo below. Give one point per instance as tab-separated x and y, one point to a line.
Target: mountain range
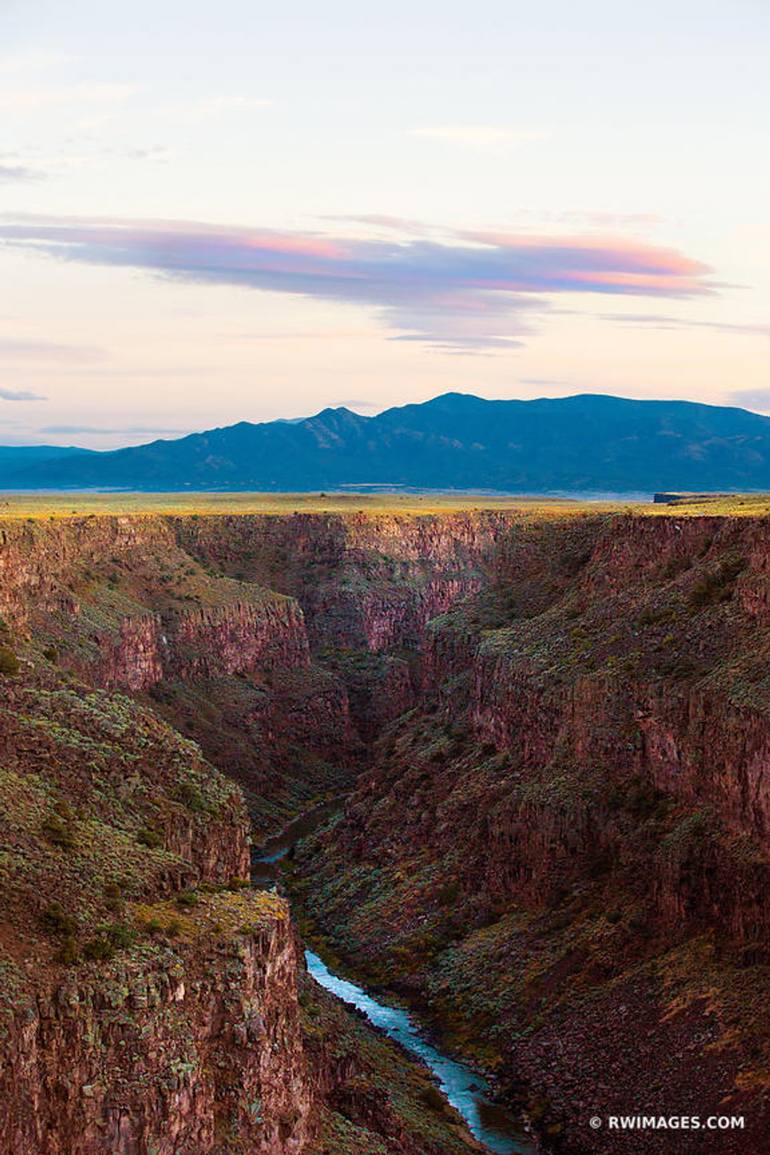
585	443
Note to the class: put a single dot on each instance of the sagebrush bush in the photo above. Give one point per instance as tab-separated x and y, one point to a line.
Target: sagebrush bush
99	949
68	952
9	663
56	920
59	832
149	838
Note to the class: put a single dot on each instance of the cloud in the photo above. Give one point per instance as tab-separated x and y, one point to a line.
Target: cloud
13	349
758	399
473	290
97	429
10	173
661	321
488	137
20	395
548	382
352	403
599	219
81	152
382	221
53	96
218	104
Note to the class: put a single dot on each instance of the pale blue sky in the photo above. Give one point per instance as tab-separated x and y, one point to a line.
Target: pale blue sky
387	203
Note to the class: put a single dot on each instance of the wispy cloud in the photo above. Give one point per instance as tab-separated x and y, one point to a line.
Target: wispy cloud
13	349
487	137
20	395
129	430
662	321
600	219
48	96
219	104
548	382
758	399
406	225
353	403
474	290
80	152
12	173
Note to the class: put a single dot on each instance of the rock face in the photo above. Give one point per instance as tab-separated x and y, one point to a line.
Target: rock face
146	1004
368	584
558	725
365	581
196	1050
150	1000
572	828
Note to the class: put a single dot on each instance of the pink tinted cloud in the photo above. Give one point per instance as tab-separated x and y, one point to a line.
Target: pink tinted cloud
473	289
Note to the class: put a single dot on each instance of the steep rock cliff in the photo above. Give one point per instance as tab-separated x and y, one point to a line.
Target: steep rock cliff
571	831
149	999
117	602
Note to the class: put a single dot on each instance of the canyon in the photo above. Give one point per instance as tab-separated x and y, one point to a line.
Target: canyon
549	733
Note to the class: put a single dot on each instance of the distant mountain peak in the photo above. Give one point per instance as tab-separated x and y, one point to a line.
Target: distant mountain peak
582	443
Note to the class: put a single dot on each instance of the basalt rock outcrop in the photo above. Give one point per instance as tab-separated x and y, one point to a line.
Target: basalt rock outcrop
557	730
151	1001
563	852
116	602
368	585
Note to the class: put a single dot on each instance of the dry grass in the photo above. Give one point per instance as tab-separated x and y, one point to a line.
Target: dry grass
85	504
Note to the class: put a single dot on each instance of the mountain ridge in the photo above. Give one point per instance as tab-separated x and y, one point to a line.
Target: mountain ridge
586	442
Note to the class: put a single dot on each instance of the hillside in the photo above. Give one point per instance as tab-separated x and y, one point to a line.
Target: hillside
151	999
586	443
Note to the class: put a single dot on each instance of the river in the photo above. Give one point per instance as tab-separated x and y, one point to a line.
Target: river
466	1090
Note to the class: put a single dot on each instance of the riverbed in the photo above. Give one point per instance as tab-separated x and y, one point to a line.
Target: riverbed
466	1090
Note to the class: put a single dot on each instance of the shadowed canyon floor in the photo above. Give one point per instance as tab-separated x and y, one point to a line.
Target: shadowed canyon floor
549	727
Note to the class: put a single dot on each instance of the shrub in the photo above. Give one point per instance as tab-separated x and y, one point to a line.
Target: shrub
651	616
68	951
639	926
59	831
113	896
191	796
434	1100
9	663
56	920
99	949
151	926
121	935
717	586
189	898
239	884
154	926
676	566
149	838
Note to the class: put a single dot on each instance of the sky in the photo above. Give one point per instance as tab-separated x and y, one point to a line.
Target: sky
242	211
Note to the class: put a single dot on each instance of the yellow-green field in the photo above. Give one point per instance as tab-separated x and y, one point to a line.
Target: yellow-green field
83	504
54	505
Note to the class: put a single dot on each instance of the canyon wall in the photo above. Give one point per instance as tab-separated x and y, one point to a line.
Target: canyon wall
115	601
558	729
151	1002
368	585
563	852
